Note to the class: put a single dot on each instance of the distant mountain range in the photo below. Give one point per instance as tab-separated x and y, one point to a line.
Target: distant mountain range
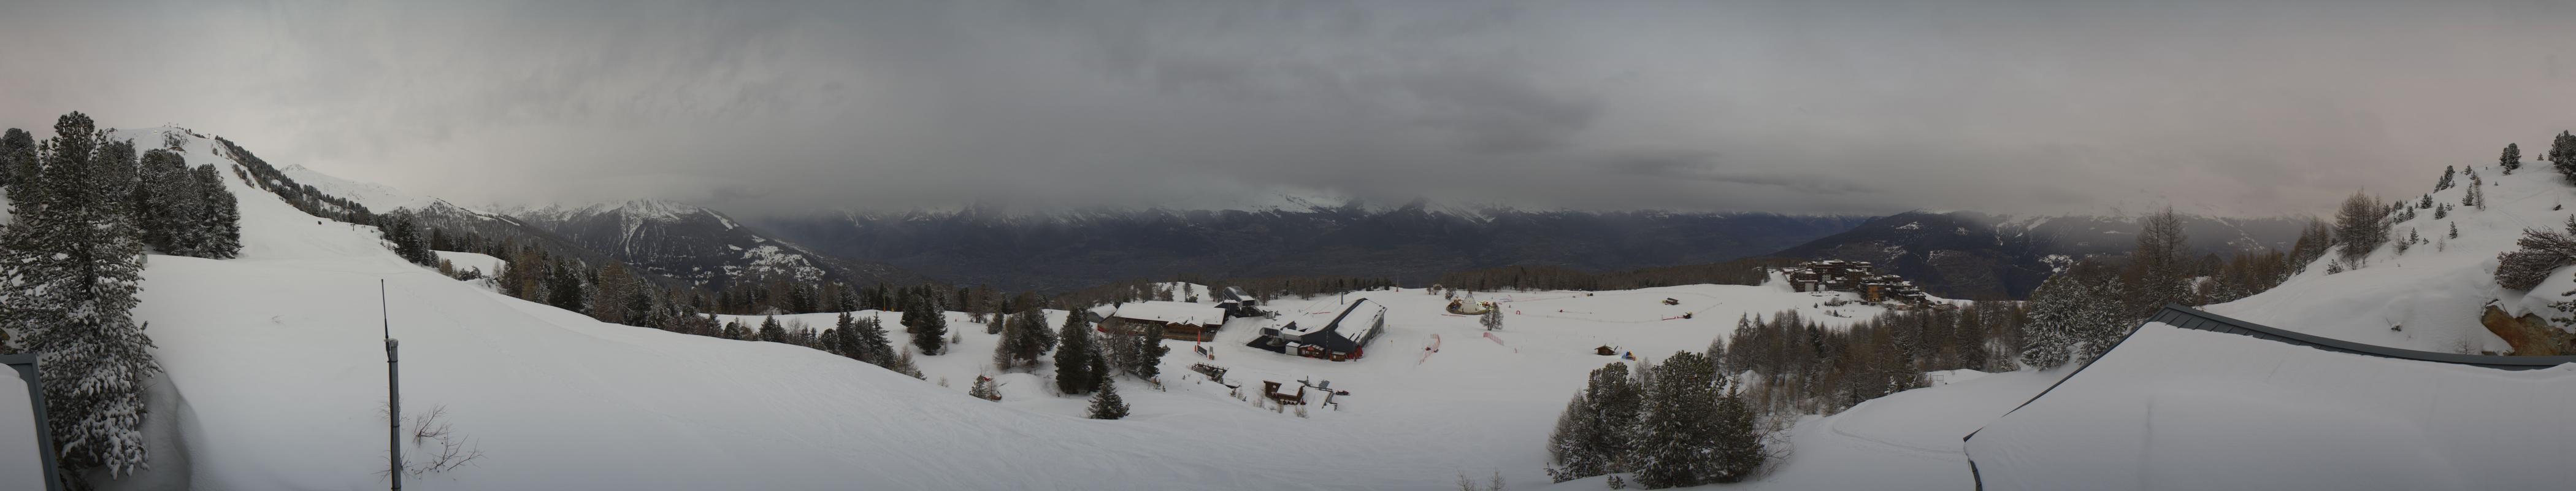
1952	254
1411	244
1971	255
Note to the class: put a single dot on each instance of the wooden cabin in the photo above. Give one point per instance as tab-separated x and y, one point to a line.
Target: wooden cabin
1180	320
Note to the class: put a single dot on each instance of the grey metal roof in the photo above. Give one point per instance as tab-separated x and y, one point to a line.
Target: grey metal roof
2196	319
2191	318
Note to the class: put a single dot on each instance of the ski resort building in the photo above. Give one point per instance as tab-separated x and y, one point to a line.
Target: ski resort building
1857	277
1343	338
1180	320
2193	400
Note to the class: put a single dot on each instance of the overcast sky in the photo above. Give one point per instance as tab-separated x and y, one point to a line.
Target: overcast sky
2232	107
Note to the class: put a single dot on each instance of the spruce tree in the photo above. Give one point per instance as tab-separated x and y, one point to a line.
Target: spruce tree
1106	404
1077	357
69	269
1149	351
1738	438
2057	307
2512	158
1678	433
929	326
1592	437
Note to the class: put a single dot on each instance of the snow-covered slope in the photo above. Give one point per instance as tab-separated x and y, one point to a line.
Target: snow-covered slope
275	380
2428	298
2182	409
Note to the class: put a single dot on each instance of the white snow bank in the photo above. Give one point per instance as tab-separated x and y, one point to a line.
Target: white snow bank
2174	408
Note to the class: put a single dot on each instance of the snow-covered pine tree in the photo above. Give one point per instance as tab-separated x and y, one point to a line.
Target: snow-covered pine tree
2455	230
2512	158
1106	404
1676	441
165	202
2448	173
1078	357
993	324
2057	307
218	230
1738	439
69	270
1593	436
1492	319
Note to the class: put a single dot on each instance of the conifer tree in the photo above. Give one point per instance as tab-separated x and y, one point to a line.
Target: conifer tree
2058	312
218	229
1592	436
18	163
1678	433
1077	358
69	269
772	332
2562	154
1738	440
928	324
1106	404
985	389
2512	158
1149	350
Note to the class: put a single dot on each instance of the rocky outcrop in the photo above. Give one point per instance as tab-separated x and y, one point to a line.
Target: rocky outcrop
2529	334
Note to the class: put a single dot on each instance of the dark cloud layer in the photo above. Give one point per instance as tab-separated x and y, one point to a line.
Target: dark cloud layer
1797	106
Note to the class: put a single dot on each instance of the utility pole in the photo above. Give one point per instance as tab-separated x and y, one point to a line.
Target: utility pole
393	388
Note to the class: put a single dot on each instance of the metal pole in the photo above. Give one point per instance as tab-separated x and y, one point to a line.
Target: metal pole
393	388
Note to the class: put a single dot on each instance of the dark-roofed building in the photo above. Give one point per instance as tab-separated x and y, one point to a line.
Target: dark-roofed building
1345	337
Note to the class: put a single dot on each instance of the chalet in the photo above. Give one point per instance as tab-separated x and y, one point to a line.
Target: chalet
1345	337
1236	303
1180	320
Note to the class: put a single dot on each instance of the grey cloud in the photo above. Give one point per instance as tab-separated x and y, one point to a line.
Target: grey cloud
2010	106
